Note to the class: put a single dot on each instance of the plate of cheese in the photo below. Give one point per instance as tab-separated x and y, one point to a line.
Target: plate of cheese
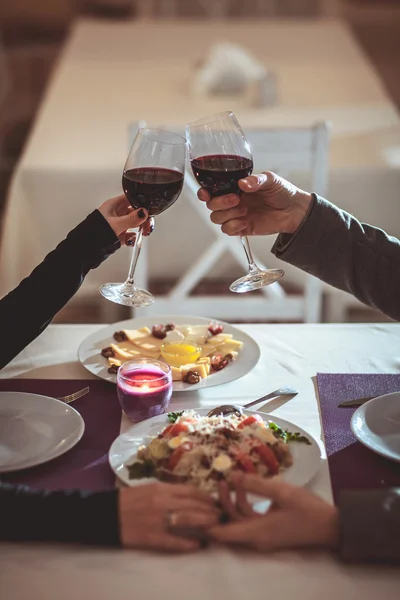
201	352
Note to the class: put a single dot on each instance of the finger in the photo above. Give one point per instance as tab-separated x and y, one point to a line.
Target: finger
222	216
246	531
122	206
129	239
137	217
223	202
234	227
255	183
189	491
226	502
203	195
187	520
148	226
177	504
242	503
277	491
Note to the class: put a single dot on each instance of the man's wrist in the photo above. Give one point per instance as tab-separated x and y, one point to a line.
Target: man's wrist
301	205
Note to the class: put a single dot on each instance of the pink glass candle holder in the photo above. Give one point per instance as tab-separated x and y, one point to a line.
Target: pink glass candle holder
144	388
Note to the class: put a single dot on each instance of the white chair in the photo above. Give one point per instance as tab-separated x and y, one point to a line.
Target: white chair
284	151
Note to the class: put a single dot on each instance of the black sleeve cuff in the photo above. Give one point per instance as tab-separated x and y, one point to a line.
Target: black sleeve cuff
94	233
370	526
64	516
285	240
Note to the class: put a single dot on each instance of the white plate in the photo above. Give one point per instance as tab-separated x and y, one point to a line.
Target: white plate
376	424
35	429
306	458
89	352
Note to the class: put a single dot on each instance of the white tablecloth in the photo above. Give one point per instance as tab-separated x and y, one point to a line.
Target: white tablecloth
291	354
112	74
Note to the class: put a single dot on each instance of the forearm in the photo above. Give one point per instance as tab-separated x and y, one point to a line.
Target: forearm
30	515
352	256
370	526
27	310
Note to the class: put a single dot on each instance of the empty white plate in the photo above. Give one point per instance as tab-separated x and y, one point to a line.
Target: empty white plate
35	429
376	424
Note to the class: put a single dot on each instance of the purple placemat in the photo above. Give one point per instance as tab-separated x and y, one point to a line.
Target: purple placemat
352	465
85	466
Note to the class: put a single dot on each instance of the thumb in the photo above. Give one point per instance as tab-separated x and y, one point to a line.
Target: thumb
133	219
257	183
278	491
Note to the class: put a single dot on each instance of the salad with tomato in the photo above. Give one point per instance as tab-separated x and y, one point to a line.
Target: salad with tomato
203	450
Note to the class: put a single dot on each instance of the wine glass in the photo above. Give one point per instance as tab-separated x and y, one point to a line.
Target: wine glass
152	178
220	155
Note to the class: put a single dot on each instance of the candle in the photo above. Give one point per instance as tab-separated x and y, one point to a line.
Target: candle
144	388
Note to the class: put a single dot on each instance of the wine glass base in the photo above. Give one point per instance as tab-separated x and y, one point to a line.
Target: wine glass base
255	281
120	293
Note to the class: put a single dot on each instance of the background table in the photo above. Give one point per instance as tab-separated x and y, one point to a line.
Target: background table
112	74
291	354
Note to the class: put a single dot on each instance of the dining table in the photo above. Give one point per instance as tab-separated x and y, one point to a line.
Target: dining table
112	74
295	355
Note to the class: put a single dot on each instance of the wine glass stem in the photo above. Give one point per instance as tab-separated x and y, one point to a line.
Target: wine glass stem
129	283
246	245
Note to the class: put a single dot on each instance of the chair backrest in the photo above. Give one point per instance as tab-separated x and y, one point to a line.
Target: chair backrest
288	151
283	150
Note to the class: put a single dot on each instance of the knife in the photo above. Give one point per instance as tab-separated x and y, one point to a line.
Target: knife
355	402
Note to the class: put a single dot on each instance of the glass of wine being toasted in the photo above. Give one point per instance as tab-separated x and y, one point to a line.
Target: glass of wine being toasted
152	179
220	156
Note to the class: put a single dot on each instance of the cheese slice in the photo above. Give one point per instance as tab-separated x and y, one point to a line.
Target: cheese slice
196	368
205	360
136	334
197	334
220	338
127	351
114	361
176	374
229	346
149	343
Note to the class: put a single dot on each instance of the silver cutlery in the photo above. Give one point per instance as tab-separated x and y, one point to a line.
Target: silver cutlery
72	397
227	409
355	402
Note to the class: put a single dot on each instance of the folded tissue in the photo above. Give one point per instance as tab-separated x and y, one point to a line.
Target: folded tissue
229	69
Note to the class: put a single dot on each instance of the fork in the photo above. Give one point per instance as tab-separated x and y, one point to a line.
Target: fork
72	397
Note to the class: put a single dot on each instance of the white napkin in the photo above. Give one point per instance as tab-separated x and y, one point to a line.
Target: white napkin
227	69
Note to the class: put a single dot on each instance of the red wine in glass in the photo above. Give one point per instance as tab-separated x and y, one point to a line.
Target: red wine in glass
153	188
152	178
220	156
219	173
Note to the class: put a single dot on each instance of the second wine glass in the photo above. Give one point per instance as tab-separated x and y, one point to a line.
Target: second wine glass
152	179
220	156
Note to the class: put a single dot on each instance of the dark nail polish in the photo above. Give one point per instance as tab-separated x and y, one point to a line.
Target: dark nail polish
141	213
130	242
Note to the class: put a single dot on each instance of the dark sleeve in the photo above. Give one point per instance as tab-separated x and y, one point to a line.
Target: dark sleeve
370	526
65	516
28	309
352	256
